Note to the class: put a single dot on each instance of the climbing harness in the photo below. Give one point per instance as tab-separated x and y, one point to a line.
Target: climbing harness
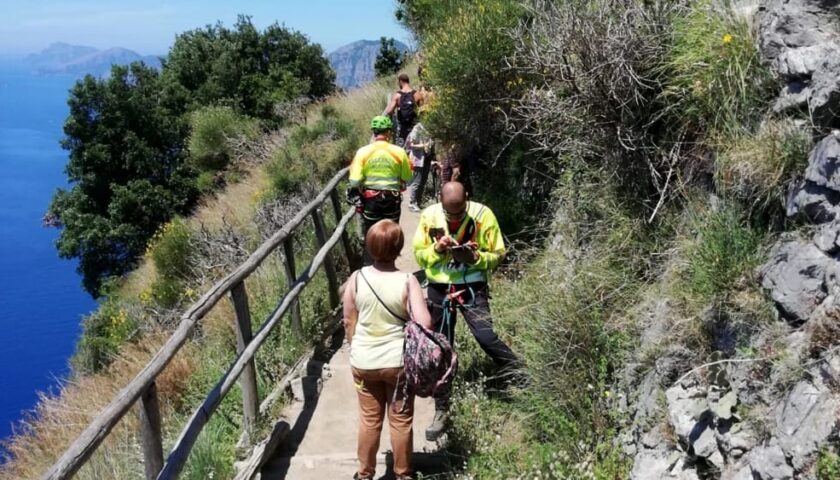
454	300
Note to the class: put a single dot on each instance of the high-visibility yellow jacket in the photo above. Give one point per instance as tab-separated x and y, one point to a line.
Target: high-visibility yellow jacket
380	166
479	226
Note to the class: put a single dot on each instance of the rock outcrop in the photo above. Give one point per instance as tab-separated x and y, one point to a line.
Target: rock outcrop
817	195
767	415
799	39
353	63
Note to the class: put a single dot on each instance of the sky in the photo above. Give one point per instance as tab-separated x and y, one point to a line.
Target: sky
149	26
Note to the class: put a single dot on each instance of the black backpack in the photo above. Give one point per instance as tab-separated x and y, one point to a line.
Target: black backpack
407	112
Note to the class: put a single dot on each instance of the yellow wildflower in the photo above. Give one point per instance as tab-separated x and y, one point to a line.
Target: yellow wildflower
727	38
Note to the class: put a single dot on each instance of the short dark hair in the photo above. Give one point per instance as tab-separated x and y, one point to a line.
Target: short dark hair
403	78
384	240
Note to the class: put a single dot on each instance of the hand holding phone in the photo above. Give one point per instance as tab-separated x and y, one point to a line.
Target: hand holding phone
444	243
464	253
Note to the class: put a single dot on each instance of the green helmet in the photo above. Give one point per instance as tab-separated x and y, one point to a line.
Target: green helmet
380	123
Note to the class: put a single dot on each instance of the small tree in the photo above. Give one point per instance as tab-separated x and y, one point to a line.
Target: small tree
389	59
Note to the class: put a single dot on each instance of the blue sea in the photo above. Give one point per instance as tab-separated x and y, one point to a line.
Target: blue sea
40	294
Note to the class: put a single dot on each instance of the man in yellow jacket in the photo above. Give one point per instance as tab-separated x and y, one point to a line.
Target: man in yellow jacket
458	242
378	175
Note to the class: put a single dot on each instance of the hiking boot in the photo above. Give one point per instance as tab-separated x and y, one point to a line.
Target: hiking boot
439	424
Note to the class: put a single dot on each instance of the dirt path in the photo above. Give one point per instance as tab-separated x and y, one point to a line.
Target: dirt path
322	444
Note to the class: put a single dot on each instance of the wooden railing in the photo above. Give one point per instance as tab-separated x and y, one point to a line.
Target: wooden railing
142	388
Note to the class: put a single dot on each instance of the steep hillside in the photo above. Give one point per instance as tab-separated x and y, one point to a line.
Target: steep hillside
353	63
276	174
675	301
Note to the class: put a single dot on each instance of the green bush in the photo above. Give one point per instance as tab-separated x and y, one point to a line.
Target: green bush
828	465
716	82
287	172
466	47
212	130
170	252
104	332
725	248
208	181
755	169
314	152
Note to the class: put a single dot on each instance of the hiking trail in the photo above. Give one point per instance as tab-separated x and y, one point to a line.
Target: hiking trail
322	441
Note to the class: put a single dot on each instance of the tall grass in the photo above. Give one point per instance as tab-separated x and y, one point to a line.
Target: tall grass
755	168
715	80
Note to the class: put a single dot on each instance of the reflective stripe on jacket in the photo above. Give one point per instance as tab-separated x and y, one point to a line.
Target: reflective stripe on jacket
479	226
380	166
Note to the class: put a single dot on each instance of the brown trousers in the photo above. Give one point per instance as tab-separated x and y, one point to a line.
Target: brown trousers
375	389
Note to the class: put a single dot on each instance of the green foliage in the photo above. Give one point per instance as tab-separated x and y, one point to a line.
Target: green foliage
389	59
127	135
128	169
466	45
564	422
424	16
755	169
828	465
314	152
724	249
214	454
104	331
716	82
246	69
170	252
212	129
517	198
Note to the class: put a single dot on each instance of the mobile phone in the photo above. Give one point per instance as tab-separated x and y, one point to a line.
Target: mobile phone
460	248
436	233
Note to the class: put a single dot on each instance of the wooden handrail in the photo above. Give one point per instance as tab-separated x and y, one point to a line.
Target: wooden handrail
86	443
202	414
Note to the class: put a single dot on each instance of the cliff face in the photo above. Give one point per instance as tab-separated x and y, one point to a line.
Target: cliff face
771	414
353	63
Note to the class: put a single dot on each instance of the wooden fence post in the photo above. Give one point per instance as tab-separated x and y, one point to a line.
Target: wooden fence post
248	380
329	266
345	240
150	432
291	277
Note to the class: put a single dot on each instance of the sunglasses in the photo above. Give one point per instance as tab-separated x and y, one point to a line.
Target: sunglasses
452	216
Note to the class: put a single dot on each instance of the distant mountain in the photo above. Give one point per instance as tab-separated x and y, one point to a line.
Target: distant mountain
353	63
64	59
57	54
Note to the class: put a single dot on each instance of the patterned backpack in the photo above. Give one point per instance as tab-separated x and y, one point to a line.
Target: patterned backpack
429	362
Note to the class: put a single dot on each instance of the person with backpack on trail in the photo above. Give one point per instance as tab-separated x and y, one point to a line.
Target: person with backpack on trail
458	242
378	301
406	102
378	175
420	146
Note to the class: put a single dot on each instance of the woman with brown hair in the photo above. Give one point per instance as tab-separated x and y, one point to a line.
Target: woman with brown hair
378	301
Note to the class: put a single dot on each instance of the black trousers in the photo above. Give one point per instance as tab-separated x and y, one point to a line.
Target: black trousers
480	322
385	205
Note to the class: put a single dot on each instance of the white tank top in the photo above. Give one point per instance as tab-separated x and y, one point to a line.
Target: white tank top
378	340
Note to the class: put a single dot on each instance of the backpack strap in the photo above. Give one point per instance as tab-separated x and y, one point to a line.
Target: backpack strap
398	317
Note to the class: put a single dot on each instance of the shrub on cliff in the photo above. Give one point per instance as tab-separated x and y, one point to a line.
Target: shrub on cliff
214	130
